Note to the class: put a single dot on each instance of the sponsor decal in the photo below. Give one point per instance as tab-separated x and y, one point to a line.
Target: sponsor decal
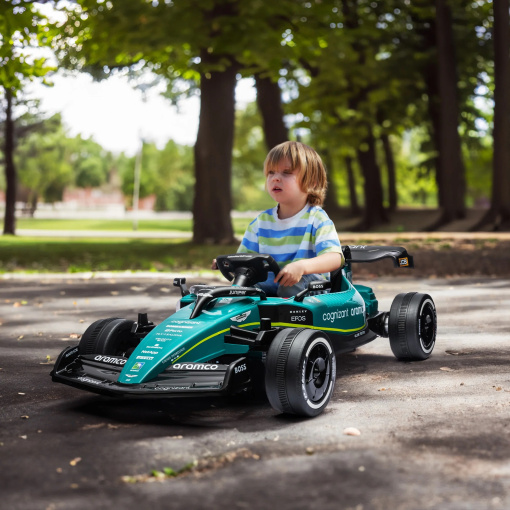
173	355
186	322
89	380
298	318
225	301
138	365
237	293
361	333
131	376
341	314
150	352
404	261
240	368
145	357
169	388
72	353
155	346
358	246
241	317
110	360
194	366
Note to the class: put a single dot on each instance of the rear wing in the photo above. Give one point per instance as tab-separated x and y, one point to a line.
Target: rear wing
368	253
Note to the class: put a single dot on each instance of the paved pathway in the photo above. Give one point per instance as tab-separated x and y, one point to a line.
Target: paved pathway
433	435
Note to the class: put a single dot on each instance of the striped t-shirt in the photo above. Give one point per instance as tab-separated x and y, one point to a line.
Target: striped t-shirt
306	235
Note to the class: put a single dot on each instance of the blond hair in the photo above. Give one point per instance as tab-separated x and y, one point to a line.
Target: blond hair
312	173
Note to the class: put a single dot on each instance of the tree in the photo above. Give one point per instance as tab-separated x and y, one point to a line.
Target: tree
193	45
44	160
499	212
167	174
269	101
23	30
451	182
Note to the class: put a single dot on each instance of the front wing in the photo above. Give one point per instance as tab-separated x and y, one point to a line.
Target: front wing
93	373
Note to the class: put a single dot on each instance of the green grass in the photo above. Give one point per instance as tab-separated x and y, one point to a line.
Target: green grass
184	225
46	255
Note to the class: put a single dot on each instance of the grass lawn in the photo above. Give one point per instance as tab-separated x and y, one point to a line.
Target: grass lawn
34	254
184	225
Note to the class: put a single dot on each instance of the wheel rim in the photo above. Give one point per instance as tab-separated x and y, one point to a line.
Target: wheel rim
427	326
318	368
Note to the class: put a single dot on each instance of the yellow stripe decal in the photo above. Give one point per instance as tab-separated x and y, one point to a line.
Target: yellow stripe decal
284	324
212	336
316	327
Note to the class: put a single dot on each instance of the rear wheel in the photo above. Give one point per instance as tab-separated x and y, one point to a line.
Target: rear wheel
300	372
109	336
412	326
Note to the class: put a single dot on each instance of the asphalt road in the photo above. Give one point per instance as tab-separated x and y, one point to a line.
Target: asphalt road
433	435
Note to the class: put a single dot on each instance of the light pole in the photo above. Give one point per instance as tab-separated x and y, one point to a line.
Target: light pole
138	161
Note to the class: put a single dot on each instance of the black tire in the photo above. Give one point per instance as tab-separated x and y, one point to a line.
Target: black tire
412	326
300	372
109	336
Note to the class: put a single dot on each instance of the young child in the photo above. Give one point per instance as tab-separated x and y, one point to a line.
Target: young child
297	232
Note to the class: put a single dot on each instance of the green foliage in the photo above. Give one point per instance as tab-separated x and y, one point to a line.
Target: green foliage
48	160
91	163
24	33
248	181
43	159
344	67
166	173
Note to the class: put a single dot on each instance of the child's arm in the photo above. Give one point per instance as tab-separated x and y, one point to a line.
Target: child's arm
293	272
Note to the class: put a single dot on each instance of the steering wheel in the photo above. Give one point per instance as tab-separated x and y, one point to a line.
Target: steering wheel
246	269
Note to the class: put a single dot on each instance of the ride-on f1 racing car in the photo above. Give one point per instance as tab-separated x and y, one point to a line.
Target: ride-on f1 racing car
228	339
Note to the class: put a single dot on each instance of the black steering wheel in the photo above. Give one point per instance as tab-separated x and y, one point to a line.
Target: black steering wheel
247	269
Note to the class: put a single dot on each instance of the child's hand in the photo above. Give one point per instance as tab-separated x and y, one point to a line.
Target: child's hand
214	265
290	274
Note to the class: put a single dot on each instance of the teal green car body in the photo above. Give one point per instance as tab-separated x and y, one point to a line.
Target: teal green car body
222	338
179	339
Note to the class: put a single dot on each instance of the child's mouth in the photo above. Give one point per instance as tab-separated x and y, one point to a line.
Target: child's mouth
277	189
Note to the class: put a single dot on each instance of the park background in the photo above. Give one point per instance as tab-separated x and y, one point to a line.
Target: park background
407	102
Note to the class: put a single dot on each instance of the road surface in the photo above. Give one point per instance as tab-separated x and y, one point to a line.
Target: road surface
433	435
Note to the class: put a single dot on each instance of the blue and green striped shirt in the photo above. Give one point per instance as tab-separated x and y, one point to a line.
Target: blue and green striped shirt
308	234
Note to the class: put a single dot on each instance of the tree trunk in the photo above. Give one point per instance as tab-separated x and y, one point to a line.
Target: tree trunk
374	212
351	182
499	212
452	177
269	102
213	158
331	201
390	167
10	169
427	30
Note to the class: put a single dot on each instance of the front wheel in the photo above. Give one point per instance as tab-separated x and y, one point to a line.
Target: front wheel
300	372
109	336
412	326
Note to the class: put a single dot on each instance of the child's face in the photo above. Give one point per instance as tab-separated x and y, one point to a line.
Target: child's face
283	184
